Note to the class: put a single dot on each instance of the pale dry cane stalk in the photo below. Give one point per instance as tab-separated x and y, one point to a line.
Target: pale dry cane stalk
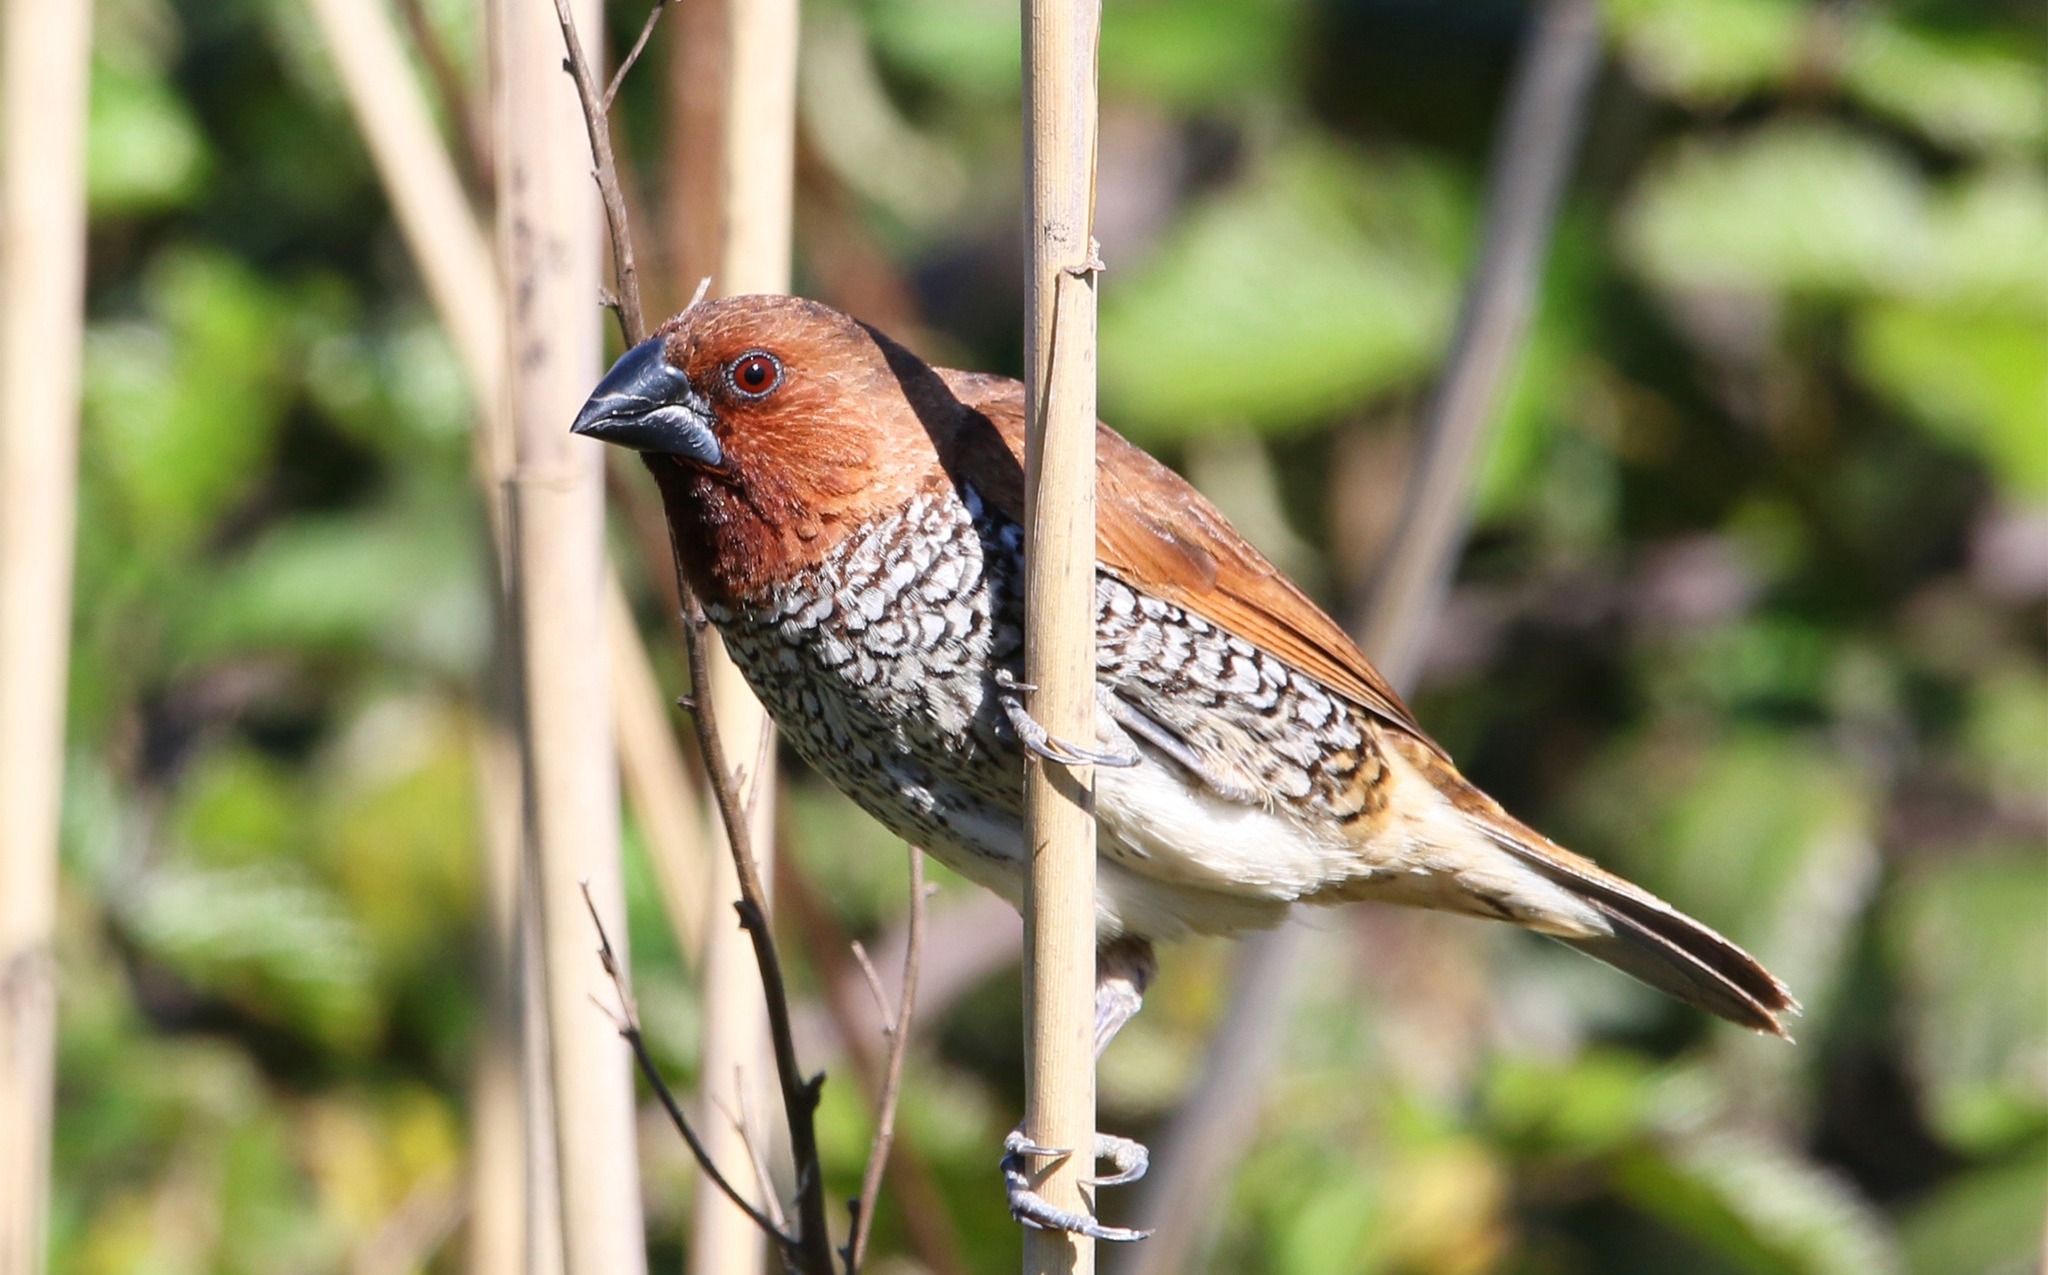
46	47
1060	110
548	241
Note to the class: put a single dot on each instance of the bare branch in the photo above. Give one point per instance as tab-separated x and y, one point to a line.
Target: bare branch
813	1253
898	1031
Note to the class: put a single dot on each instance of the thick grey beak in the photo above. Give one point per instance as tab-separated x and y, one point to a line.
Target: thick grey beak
645	404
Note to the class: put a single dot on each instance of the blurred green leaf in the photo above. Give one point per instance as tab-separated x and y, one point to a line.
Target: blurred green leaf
144	151
1968	92
1989	232
1968	939
1796	207
398	830
405	580
1978	379
238	807
1985	1223
2006	736
1596	1103
182	408
264	937
1199	53
1708	53
1759	1206
1331	1230
968	46
1315	283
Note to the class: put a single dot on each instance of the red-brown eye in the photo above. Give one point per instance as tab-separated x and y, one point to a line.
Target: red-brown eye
754	375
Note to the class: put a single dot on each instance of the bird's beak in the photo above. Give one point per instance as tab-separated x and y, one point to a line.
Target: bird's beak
647	405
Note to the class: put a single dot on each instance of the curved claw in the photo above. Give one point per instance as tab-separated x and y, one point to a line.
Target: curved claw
1128	1155
1034	1210
1036	739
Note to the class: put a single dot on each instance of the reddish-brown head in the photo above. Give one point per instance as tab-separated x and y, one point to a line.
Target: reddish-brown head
774	426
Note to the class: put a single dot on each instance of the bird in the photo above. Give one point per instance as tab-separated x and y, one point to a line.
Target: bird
851	519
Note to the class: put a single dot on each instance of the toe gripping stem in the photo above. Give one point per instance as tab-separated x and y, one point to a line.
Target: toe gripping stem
1034	1210
1043	743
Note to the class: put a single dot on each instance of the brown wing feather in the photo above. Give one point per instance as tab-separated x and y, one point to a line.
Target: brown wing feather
1160	535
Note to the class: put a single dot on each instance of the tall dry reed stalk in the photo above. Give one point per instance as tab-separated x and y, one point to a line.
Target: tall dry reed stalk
1060	114
44	55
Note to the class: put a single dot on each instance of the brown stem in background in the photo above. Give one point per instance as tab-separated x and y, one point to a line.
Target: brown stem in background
1531	161
472	137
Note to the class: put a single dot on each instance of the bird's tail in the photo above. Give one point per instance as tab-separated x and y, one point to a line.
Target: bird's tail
1653	941
1646	937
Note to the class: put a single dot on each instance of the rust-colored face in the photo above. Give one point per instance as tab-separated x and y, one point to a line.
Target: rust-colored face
773	425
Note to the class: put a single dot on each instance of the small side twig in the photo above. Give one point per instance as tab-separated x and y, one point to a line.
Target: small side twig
627	1019
611	91
632	320
742	1122
897	1029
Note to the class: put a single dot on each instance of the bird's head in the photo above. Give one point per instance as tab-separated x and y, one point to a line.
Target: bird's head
774	426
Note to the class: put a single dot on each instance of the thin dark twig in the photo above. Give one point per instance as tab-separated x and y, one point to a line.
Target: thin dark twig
627	1020
799	1096
631	319
813	1252
898	1031
611	91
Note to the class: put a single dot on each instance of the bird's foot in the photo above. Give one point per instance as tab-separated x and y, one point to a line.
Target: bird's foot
1036	739
1034	1210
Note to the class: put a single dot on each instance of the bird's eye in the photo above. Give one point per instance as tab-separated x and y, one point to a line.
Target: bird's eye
754	375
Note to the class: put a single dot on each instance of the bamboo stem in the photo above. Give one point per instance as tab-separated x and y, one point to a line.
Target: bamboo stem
757	165
548	244
497	1229
1531	161
46	46
1060	39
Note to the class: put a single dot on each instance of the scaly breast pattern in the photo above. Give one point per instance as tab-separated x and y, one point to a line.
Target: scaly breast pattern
878	666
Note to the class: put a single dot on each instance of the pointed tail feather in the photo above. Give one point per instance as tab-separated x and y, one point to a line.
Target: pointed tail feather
1647	938
1651	940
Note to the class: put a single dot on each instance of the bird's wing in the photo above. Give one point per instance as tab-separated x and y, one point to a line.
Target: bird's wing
1159	535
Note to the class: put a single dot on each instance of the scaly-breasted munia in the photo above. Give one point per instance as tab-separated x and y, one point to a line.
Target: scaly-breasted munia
851	519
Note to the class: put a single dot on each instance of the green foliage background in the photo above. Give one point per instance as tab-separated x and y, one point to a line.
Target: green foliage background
1754	612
